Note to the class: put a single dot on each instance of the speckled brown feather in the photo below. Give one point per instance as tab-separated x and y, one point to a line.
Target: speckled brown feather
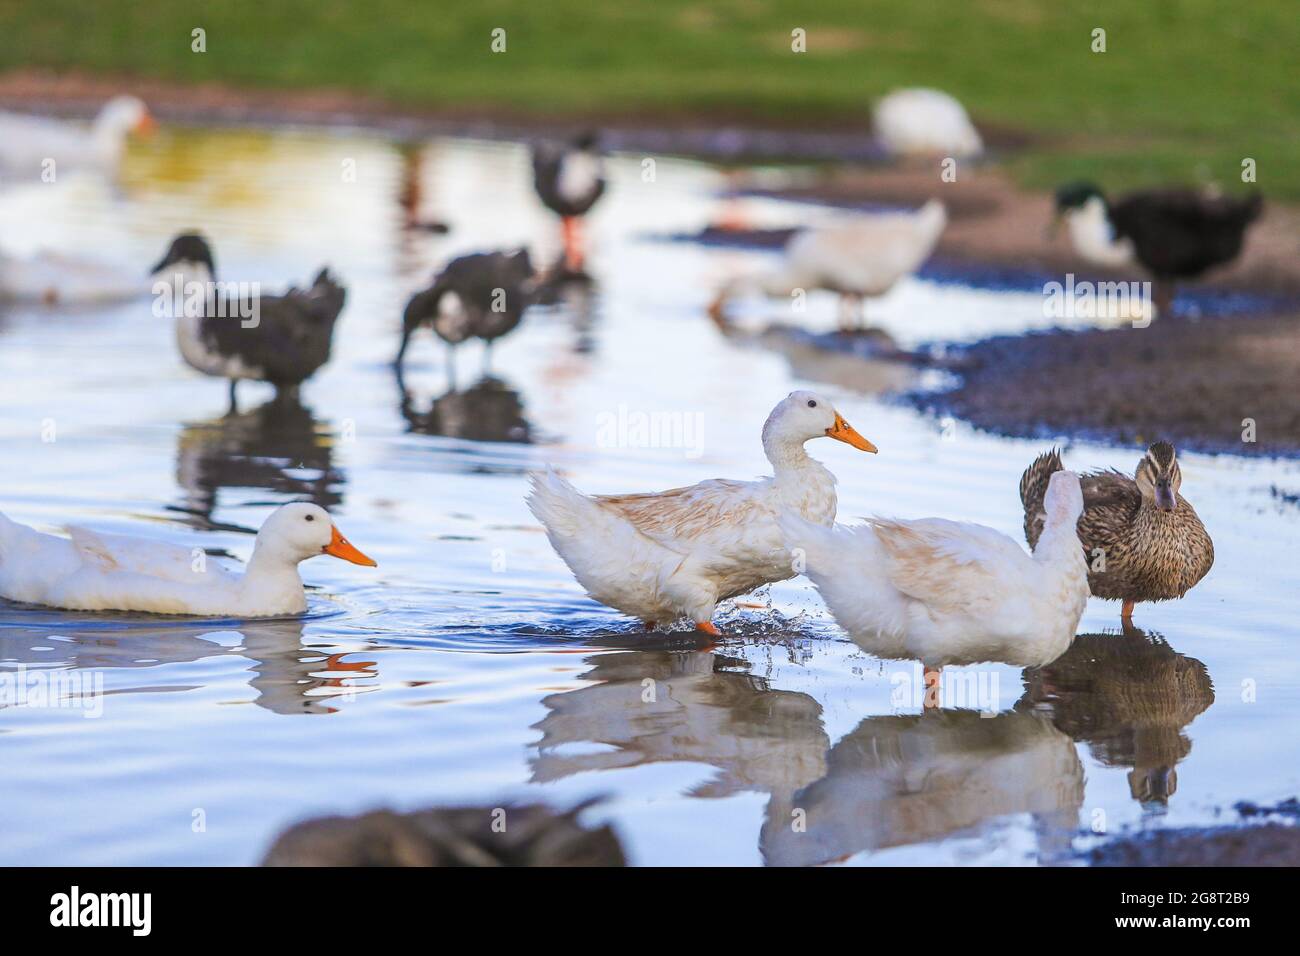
1150	555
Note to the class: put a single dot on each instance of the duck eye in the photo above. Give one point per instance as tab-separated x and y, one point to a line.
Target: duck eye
812	403
310	517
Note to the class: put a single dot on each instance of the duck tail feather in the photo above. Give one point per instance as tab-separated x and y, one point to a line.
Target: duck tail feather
1033	490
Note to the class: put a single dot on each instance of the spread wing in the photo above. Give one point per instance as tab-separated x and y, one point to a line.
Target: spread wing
951	566
682	517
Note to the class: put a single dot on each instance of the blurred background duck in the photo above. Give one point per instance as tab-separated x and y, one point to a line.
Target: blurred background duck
949	592
55	279
569	179
532	835
27	142
1142	540
862	256
482	295
672	554
1172	233
287	339
923	122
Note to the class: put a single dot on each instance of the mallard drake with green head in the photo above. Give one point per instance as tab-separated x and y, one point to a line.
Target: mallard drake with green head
1142	539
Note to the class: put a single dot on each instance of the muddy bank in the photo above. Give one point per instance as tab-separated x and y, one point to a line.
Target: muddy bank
723	136
1192	383
1270	845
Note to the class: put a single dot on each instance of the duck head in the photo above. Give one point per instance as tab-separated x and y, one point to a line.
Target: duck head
1074	198
587	141
301	530
801	416
1158	476
125	114
187	253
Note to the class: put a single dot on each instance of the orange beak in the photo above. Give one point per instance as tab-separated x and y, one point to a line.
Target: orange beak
843	431
146	126
341	547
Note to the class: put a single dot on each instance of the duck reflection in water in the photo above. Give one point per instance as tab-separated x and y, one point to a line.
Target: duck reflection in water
905	779
1129	698
279	447
488	411
696	707
289	675
892	781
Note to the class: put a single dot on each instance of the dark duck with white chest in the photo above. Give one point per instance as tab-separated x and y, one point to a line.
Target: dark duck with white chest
569	179
1142	540
1172	233
482	295
228	332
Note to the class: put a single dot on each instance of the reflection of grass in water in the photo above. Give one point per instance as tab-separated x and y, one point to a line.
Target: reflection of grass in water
1209	83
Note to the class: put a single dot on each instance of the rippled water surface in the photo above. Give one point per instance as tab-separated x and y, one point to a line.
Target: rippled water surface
469	666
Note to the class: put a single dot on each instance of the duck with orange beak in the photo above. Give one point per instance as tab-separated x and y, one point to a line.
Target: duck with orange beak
89	571
676	554
28	144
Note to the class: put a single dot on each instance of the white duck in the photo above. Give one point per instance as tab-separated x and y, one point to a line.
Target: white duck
27	142
920	121
861	256
101	572
55	279
949	592
678	553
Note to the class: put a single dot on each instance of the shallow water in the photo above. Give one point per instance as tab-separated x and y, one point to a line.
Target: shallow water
469	667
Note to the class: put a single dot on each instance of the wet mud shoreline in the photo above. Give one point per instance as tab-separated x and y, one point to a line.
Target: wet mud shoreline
1199	384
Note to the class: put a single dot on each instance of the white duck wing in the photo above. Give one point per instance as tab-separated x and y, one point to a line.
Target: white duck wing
700	516
951	566
126	554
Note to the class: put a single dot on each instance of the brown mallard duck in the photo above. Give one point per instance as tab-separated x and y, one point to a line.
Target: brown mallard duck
1142	539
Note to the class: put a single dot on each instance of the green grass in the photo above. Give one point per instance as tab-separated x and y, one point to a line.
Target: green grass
1186	89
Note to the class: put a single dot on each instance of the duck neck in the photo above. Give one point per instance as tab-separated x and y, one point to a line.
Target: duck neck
108	139
1059	544
271	581
793	467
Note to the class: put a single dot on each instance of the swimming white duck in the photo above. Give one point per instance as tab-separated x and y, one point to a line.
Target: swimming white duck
55	279
28	142
949	592
920	121
107	572
678	553
865	255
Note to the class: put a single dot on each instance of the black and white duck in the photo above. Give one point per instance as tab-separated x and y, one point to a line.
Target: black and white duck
228	334
569	179
482	295
1172	233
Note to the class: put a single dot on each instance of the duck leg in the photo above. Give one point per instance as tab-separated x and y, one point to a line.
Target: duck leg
234	404
573	251
1126	613
708	628
451	368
